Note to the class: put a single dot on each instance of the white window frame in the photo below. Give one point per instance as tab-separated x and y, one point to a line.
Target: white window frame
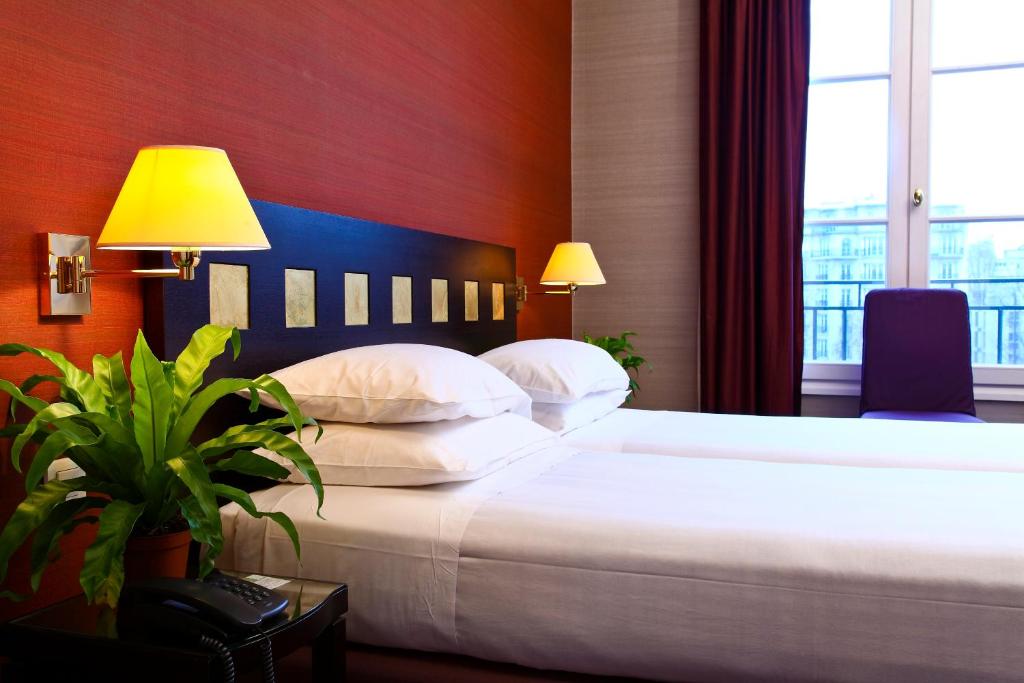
908	227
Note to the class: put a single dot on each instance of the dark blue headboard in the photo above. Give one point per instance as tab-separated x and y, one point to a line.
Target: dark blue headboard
333	245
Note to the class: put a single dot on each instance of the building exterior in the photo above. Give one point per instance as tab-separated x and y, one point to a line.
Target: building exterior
845	260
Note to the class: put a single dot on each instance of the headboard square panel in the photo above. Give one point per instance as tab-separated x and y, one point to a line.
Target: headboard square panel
229	295
401	299
497	300
438	301
472	301
357	298
331	246
299	297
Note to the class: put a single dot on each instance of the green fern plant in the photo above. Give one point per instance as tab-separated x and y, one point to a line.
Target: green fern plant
621	349
132	437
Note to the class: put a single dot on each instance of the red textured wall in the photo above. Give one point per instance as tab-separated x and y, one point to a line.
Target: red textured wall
446	115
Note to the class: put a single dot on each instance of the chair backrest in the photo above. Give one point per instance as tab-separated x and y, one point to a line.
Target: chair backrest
917	351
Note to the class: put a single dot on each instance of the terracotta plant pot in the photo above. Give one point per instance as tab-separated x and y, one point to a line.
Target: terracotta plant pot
150	557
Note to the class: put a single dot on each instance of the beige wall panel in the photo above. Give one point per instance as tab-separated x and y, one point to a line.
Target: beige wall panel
829	406
229	295
635	183
849	406
439	301
1000	411
497	301
472	301
401	299
299	297
357	299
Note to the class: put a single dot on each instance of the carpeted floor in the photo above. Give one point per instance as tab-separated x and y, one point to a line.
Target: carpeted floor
394	666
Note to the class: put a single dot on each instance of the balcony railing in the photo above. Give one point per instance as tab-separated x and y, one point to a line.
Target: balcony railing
864	286
844	310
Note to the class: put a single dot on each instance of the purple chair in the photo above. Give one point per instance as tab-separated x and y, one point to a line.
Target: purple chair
917	356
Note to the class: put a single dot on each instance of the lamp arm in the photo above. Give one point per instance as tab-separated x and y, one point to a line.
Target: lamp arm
570	290
71	274
522	292
133	273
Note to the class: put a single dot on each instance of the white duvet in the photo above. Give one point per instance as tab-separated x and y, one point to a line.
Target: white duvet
819	440
676	568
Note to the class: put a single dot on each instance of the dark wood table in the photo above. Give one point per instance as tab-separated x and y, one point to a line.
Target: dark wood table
82	642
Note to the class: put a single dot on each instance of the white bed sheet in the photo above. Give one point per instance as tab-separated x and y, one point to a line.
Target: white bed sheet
819	440
676	568
396	547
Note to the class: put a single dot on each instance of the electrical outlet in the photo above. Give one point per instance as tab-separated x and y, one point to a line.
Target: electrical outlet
63	469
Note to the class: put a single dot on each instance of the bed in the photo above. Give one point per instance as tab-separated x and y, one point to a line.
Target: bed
676	568
668	546
819	440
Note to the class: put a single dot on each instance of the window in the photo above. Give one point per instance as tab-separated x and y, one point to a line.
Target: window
847	297
873	246
874	273
879	129
846	185
946	241
947	271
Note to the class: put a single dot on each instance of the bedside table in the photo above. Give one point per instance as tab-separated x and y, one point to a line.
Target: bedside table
80	641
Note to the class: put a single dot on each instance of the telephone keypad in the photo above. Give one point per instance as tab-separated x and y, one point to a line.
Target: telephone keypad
266	601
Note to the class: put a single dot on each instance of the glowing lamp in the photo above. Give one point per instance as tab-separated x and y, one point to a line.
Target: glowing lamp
176	198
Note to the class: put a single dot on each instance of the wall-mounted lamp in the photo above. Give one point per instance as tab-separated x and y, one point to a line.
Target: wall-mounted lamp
176	198
572	265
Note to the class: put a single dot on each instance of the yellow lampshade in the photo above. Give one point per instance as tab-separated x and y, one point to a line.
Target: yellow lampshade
179	197
572	263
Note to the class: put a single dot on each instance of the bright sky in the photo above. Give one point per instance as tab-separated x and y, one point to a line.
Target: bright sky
976	117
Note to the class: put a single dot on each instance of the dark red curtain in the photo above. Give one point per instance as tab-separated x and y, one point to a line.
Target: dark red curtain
753	125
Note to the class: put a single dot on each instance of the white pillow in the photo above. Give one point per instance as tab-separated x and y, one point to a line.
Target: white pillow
564	417
399	383
558	370
419	453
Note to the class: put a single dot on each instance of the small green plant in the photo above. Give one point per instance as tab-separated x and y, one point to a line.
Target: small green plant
621	349
132	437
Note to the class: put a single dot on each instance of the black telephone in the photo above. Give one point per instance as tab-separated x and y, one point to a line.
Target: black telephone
209	613
222	606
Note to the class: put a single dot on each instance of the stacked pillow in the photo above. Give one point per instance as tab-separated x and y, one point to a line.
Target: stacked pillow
399	383
418	453
571	383
438	415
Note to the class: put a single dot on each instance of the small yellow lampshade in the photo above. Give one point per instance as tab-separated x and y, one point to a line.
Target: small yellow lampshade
179	197
572	263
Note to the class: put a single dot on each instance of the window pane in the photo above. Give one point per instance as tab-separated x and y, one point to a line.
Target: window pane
849	38
985	260
847	149
842	263
973	32
977	144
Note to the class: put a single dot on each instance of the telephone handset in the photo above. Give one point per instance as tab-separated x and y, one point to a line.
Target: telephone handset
222	606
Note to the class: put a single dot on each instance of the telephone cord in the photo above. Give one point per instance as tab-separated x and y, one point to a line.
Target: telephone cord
226	660
267	653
